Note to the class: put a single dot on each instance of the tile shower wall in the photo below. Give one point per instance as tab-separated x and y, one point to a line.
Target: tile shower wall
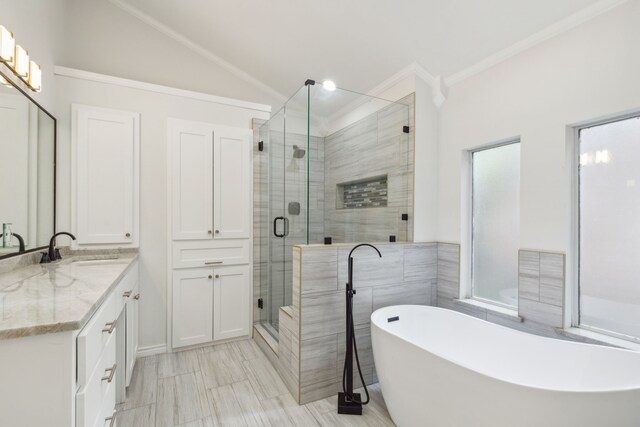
372	147
312	341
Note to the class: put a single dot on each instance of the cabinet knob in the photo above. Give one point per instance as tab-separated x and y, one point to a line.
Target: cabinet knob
127	235
217	276
137	297
217	231
210	277
209	232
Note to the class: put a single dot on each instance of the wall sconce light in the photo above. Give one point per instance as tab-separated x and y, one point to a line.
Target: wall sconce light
17	59
22	62
7	46
35	77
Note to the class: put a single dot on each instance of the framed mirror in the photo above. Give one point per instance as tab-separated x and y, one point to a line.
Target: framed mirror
27	171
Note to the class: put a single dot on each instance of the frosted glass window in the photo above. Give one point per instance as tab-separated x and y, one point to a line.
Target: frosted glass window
496	224
609	272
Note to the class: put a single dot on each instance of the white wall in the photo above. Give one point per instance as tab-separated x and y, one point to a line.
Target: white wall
426	155
154	108
103	38
589	72
425	209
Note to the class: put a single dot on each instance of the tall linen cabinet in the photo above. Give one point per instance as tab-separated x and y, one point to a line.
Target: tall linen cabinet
210	232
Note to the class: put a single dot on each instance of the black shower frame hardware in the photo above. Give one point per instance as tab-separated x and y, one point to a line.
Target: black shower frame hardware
261	146
310	82
405	129
285	221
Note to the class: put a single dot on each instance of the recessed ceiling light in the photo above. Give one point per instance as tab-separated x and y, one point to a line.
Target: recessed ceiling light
329	85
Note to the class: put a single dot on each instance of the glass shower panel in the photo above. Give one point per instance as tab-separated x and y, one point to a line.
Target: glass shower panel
338	164
295	176
272	276
367	166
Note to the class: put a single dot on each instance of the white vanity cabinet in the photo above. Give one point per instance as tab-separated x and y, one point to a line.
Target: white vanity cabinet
210	247
67	351
106	349
105	176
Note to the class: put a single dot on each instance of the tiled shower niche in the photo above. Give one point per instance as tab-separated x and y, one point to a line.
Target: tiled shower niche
367	193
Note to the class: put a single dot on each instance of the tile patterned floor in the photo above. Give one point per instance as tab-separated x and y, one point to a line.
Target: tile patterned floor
230	384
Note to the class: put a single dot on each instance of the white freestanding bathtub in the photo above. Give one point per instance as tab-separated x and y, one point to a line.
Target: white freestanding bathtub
438	367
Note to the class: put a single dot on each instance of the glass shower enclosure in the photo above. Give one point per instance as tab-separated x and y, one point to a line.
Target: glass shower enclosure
335	165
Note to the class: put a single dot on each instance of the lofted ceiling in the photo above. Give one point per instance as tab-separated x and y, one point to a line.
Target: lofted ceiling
357	43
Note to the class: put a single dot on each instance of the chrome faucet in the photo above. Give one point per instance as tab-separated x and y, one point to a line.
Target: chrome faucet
53	253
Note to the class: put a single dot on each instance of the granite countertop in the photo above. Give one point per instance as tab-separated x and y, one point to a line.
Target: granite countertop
61	296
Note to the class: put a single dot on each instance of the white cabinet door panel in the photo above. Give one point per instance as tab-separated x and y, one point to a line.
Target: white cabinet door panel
231	302
232	182
192	180
106	175
192	307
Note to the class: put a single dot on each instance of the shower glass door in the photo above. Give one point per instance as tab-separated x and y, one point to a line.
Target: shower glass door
287	203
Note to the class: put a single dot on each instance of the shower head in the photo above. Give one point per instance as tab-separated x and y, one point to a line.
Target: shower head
298	152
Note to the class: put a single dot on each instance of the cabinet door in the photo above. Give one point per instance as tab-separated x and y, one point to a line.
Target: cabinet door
132	332
192	179
106	153
232	182
192	307
231	302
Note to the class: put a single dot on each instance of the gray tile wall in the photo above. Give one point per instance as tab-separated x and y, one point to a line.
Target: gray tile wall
541	281
541	287
312	345
372	147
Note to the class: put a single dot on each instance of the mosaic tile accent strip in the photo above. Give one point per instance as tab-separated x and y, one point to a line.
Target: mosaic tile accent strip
370	193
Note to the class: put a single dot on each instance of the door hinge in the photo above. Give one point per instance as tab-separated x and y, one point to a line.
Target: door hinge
261	146
405	129
260	303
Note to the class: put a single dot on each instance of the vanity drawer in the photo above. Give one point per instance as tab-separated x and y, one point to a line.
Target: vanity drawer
202	253
94	337
124	290
98	396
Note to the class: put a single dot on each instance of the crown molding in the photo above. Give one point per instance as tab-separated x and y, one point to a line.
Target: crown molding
197	48
553	30
150	87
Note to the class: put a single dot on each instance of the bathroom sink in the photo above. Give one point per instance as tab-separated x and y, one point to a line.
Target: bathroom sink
97	261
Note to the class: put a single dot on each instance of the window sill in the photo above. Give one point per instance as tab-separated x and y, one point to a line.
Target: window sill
497	310
579	333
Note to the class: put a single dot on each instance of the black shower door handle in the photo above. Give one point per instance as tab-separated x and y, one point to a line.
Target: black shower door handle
275	226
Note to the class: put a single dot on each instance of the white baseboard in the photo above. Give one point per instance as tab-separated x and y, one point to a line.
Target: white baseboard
151	350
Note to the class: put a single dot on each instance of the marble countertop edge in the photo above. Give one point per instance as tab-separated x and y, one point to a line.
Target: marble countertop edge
77	320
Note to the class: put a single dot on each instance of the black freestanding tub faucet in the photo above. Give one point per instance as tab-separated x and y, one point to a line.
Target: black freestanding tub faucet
348	401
